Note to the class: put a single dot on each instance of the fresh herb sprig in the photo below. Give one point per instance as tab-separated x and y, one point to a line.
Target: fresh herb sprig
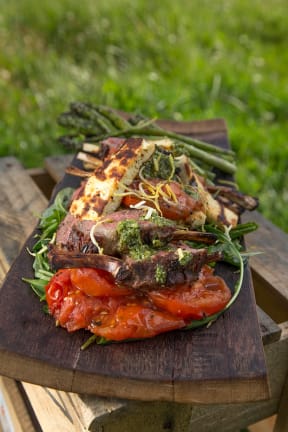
227	248
225	239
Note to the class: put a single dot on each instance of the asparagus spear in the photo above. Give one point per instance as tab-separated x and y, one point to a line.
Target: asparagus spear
112	124
139	122
158	131
119	122
92	112
87	111
243	229
189	150
82	125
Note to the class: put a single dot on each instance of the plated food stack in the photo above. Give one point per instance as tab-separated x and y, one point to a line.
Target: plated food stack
134	251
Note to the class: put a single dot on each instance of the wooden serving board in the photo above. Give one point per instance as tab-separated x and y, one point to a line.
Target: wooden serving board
222	363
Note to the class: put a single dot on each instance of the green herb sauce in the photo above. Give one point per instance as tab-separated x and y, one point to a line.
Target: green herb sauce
160	274
130	242
160	221
160	165
185	258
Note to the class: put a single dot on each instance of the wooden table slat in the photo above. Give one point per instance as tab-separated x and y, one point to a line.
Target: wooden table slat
21	204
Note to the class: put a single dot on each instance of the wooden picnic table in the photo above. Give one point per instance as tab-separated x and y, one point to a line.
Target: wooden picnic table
24	195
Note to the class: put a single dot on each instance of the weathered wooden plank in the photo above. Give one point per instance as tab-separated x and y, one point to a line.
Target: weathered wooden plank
43	180
282	417
56	165
270	331
240	416
13	406
55	411
116	415
21	203
96	413
201	418
281	424
269	269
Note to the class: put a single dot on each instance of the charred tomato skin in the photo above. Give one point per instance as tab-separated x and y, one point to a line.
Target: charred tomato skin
193	301
57	289
202	298
135	321
96	282
133	315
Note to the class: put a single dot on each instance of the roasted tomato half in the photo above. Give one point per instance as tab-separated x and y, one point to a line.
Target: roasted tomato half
135	321
204	297
96	283
88	298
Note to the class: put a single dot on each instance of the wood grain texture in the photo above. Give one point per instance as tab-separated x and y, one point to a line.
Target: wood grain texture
270	270
55	166
115	415
270	331
224	363
55	410
42	179
15	405
282	418
21	203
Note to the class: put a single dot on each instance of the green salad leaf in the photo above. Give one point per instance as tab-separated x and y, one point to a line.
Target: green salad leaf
49	222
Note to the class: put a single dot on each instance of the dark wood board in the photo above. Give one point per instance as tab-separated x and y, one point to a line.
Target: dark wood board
222	363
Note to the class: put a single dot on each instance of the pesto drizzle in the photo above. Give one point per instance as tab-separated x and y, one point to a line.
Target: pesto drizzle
130	241
160	274
160	165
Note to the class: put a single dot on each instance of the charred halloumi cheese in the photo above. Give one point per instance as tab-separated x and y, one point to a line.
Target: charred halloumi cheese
215	211
102	192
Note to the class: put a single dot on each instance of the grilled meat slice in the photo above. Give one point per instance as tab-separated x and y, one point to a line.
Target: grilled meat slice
232	195
165	268
106	237
71	224
196	236
75	235
177	265
59	259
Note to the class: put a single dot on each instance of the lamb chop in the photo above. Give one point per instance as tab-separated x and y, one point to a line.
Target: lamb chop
86	236
176	265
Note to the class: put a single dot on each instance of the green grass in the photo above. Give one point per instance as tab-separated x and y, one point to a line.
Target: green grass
173	59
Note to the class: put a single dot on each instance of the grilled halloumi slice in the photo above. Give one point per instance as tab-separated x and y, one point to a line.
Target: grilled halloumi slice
215	211
102	192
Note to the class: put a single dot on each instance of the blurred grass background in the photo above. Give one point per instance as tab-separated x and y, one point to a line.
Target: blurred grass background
172	59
